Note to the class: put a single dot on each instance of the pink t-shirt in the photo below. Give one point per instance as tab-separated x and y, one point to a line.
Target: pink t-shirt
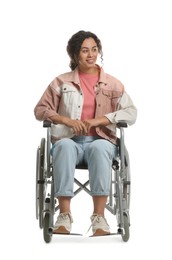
88	82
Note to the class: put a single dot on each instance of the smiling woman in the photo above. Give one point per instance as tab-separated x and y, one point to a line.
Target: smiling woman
137	48
86	104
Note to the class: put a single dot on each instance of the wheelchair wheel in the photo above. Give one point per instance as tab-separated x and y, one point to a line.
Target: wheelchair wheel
40	178
47	222
126	236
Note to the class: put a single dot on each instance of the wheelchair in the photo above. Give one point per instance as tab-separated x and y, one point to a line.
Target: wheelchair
118	200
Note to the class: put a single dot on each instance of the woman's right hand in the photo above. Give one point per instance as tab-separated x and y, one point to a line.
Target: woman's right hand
78	126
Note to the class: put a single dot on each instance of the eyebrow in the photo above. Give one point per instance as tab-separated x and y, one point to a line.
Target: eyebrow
88	48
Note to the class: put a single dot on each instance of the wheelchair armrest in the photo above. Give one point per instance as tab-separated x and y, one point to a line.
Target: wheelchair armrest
46	123
122	124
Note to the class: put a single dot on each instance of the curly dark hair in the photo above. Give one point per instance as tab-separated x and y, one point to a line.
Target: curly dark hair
74	46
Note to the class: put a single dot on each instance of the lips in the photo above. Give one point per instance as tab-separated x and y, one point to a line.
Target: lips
90	61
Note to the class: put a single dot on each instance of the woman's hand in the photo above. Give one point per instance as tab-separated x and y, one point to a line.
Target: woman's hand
78	126
103	121
91	123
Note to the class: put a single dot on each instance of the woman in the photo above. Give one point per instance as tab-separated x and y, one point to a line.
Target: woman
84	106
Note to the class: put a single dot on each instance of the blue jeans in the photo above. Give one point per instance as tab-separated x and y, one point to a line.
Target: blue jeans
97	153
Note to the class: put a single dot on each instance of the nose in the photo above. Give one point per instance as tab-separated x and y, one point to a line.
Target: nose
90	53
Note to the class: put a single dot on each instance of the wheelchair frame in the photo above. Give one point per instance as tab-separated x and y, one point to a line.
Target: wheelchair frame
119	198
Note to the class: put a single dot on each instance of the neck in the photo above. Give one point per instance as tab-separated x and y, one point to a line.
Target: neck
92	70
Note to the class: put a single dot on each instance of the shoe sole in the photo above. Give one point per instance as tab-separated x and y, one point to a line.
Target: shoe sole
101	232
61	230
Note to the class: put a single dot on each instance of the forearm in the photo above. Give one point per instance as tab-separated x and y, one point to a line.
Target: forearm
103	121
57	119
77	125
126	111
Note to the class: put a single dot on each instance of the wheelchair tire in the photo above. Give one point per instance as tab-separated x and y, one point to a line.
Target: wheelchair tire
127	183
37	189
47	222
40	178
126	236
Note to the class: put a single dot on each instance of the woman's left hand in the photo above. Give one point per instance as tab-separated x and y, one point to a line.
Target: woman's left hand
90	123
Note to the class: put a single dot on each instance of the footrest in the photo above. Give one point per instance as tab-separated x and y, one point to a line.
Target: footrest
67	234
111	234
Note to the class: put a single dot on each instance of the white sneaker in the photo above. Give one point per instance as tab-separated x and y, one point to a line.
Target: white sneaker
99	225
63	223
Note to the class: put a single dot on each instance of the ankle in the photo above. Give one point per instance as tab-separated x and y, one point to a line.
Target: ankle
98	214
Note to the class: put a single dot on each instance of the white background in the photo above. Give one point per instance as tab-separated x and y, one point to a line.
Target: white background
136	39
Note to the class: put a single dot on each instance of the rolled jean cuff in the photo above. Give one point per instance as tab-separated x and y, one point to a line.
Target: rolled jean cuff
64	194
99	193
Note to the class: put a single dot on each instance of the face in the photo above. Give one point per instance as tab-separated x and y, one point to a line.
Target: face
88	55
